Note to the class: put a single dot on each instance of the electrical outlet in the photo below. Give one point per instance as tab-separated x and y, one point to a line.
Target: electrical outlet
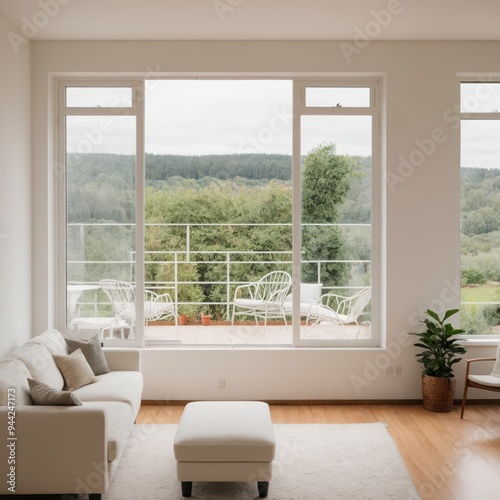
389	370
398	370
222	383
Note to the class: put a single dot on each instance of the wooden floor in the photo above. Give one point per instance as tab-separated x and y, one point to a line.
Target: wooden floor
447	458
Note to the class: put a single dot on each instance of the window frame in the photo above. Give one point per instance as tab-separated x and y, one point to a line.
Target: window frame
299	109
136	110
374	111
482	339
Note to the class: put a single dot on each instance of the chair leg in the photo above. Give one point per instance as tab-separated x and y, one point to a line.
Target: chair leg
464	398
232	318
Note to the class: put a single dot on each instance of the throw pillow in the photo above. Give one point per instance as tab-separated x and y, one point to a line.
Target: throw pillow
75	370
310	293
42	394
93	353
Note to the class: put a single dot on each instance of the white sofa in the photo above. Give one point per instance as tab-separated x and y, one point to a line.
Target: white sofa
64	449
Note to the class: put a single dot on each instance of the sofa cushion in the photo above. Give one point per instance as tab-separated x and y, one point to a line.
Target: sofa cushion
75	370
40	364
53	340
122	386
93	353
119	422
14	383
44	395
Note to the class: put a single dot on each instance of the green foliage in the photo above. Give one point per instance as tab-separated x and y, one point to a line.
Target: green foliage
479	319
472	275
326	180
325	184
440	344
221	167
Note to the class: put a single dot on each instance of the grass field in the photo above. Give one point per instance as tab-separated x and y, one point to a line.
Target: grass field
481	293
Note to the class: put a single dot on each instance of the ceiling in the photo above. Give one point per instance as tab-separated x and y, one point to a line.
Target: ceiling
254	19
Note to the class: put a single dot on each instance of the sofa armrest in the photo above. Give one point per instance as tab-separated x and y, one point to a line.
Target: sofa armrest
53	449
123	358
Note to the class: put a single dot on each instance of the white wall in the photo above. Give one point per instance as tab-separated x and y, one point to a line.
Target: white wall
15	191
422	229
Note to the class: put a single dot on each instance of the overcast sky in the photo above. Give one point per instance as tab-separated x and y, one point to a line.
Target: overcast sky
196	117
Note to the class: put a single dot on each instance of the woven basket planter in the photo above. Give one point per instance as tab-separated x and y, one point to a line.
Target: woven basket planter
438	393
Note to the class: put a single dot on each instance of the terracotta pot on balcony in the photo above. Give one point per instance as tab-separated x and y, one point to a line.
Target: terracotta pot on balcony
182	319
205	319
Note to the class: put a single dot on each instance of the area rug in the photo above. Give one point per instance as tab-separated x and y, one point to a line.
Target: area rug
313	461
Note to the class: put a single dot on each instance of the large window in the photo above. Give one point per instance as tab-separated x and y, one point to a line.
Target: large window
187	192
480	207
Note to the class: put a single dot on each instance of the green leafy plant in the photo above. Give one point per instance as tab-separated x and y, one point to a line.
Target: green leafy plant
440	344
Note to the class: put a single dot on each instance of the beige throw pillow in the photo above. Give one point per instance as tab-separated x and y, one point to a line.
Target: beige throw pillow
93	353
42	394
75	370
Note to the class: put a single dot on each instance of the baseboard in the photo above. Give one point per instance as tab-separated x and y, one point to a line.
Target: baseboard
298	402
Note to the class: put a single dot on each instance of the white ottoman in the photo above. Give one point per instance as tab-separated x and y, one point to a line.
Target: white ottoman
225	441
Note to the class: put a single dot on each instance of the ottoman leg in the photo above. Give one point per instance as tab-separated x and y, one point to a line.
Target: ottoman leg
187	488
263	487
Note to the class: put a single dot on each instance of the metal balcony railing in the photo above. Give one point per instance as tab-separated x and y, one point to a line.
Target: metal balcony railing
171	263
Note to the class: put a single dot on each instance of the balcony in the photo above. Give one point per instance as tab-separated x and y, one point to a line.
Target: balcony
198	278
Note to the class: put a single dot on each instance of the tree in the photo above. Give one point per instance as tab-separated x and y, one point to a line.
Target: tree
326	180
325	184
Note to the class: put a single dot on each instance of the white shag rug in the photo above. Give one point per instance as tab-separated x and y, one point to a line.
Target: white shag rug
313	461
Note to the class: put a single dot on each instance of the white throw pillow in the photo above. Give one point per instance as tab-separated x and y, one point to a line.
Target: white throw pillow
41	364
310	293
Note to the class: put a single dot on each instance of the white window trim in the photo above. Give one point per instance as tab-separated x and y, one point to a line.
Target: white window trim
299	110
137	110
481	339
375	83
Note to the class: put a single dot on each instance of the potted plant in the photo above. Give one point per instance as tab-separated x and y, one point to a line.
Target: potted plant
185	313
441	352
205	317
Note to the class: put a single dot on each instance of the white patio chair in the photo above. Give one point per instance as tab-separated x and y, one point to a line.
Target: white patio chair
263	299
122	296
102	324
338	310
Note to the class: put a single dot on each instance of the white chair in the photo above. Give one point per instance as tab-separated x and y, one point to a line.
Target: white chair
264	298
122	296
489	382
100	323
339	310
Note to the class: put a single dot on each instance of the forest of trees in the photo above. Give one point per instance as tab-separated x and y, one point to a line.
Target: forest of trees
248	189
